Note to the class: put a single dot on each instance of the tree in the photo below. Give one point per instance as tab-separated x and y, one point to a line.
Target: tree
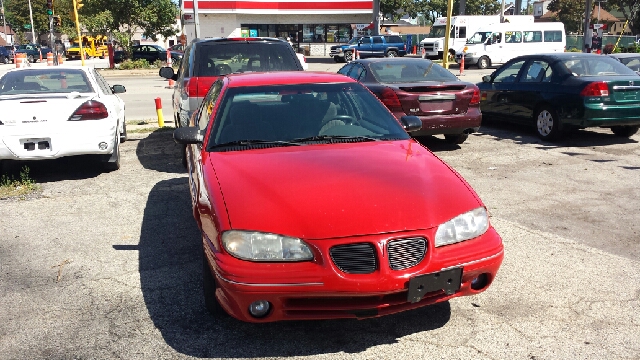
630	10
17	13
431	10
570	12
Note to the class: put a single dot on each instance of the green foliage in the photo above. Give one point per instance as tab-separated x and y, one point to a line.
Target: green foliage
10	187
570	12
134	64
574	49
431	10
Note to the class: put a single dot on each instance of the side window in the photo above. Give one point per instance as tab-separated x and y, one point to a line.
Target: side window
345	69
377	40
496	38
462	32
538	71
357	73
207	105
509	73
512	37
183	70
553	36
366	40
102	83
532	36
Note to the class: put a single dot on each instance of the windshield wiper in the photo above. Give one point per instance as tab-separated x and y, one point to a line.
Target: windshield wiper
334	137
254	142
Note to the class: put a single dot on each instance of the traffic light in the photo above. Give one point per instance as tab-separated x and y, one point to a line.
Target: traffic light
57	22
79	4
49	7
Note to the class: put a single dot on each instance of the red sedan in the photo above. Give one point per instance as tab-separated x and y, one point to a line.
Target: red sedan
315	203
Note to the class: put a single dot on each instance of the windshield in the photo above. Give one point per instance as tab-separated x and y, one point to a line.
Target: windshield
39	81
302	113
403	71
26	47
479	38
353	41
437	31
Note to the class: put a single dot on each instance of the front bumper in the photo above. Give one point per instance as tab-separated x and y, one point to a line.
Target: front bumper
468	58
318	289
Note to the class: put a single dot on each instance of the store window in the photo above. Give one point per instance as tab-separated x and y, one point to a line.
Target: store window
313	33
288	31
340	33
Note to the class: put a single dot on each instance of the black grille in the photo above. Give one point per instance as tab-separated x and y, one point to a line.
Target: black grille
354	258
406	253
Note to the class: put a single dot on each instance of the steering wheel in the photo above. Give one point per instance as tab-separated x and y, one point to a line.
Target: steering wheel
223	69
346	119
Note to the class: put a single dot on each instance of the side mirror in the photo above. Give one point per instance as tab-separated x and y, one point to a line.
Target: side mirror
118	89
411	123
486	78
188	135
166	72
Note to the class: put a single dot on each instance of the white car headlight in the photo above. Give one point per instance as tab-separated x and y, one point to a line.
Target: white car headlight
258	246
463	227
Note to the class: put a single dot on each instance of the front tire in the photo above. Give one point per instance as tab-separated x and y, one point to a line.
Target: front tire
547	124
456	138
348	56
31	59
624	131
392	54
484	62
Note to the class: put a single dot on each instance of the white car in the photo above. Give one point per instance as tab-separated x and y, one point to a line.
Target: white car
303	61
47	113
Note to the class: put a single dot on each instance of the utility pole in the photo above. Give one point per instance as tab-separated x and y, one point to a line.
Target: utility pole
197	19
5	23
502	12
33	33
376	17
587	24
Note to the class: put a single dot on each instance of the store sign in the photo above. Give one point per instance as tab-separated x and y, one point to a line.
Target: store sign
188	19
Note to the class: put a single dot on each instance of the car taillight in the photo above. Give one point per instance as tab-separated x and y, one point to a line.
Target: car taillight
390	98
90	110
475	99
197	87
599	88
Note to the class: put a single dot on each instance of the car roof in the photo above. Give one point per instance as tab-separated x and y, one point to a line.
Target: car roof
624	55
285	78
396	59
230	39
561	56
61	67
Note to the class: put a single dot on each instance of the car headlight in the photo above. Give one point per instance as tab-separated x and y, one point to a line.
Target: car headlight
258	246
463	227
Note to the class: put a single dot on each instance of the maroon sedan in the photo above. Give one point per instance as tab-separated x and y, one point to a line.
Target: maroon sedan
315	203
420	87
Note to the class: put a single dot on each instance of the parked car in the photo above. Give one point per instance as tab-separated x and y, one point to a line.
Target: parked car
315	203
119	56
60	111
207	59
33	52
563	91
631	60
153	53
420	87
11	50
369	46
177	48
6	55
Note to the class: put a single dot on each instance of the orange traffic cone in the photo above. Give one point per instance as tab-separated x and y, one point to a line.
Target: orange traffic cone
462	65
171	84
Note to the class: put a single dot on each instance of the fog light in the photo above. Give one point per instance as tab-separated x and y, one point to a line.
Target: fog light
259	308
103	145
480	282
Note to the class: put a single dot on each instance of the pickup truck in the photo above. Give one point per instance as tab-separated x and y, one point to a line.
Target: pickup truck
33	52
369	46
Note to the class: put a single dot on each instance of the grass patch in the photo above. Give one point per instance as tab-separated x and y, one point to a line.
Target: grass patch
150	129
11	187
139	122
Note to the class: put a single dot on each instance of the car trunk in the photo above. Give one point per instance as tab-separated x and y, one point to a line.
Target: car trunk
438	99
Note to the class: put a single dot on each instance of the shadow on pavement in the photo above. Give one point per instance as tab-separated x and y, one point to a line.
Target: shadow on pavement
170	276
159	152
65	168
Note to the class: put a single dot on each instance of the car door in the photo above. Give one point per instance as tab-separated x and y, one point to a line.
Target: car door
495	48
378	46
364	46
195	151
537	82
496	95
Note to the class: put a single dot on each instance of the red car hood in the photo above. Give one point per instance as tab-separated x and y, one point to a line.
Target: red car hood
337	190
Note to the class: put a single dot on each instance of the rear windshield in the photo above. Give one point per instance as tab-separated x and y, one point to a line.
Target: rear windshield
410	71
596	66
233	57
44	81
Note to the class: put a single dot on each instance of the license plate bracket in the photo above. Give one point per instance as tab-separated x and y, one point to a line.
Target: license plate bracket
447	280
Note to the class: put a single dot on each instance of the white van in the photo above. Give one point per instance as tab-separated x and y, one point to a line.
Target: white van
499	43
432	47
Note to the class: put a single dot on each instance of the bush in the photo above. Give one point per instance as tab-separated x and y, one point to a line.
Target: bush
134	64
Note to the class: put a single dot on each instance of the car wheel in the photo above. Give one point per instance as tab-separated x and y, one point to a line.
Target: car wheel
547	124
209	288
348	56
6	60
113	162
456	138
123	136
392	54
624	131
484	62
31	59
336	59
